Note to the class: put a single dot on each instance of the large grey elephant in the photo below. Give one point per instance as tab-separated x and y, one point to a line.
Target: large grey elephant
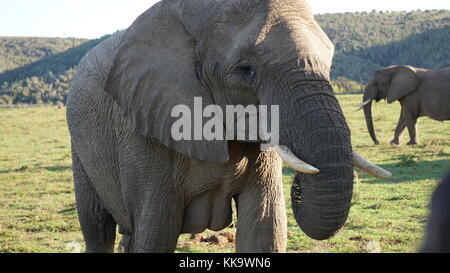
129	170
421	93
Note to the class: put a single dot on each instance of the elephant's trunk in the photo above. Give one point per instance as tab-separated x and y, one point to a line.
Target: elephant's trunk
321	202
369	120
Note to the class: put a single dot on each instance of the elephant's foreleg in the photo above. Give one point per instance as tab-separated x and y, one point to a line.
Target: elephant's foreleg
158	224
97	225
261	224
413	134
399	130
411	123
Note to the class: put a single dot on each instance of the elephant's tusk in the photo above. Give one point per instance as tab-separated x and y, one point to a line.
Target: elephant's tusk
361	106
293	161
369	168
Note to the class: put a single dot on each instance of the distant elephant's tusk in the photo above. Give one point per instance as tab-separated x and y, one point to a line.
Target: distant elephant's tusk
369	168
293	161
361	106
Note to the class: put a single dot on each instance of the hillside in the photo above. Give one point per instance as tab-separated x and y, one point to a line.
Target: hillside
367	41
38	70
45	80
18	51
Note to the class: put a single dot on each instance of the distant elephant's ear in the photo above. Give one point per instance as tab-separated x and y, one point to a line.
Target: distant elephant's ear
153	71
403	82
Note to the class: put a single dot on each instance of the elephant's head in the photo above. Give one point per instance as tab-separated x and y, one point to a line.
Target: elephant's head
391	83
242	52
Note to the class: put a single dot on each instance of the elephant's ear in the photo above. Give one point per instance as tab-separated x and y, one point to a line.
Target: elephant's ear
403	82
153	71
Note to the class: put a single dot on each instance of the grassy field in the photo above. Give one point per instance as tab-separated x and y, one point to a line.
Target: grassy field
37	208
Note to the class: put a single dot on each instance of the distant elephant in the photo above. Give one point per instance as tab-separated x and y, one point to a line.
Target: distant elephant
437	231
130	171
421	92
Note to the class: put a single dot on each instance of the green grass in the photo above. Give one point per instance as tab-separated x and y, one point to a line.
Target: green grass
37	207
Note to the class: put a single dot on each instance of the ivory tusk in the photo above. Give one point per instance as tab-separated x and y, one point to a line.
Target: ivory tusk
361	106
293	161
369	168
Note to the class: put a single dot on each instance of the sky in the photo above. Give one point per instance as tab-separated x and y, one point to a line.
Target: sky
95	18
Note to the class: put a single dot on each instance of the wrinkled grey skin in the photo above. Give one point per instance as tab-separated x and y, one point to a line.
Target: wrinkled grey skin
129	172
437	232
421	93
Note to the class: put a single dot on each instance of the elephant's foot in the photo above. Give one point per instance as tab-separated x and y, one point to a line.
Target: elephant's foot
395	142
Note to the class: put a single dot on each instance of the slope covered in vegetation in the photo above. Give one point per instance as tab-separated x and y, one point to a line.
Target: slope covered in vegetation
45	80
18	51
367	41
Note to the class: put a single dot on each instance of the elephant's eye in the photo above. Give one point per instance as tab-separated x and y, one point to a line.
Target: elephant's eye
246	72
246	69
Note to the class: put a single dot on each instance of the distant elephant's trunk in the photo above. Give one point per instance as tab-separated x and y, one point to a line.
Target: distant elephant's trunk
320	202
368	116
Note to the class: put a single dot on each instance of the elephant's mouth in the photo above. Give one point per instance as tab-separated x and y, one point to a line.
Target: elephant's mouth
291	160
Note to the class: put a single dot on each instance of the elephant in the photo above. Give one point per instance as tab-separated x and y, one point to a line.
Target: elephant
421	92
437	231
131	173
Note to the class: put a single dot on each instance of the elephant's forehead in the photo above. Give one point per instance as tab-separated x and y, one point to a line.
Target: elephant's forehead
283	36
252	21
279	33
287	42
